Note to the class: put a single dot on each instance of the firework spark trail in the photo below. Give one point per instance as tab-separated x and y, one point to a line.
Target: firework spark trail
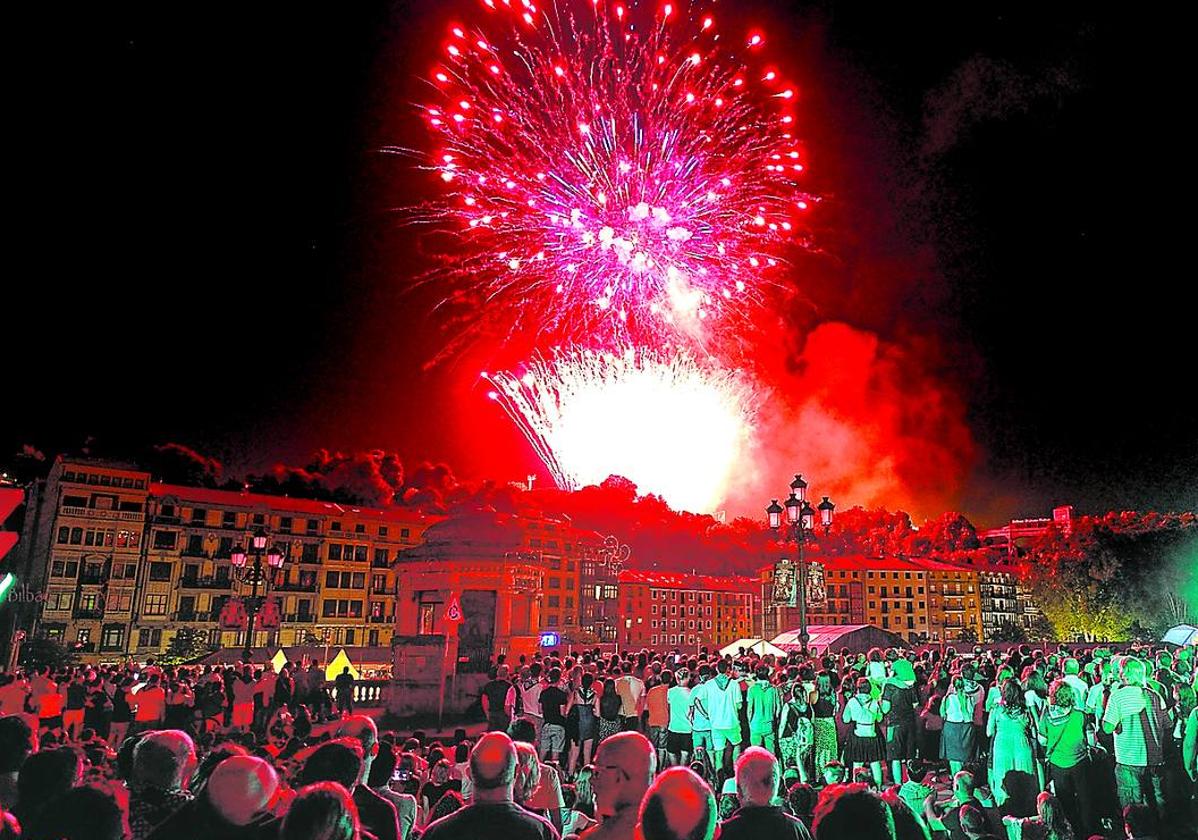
670	424
612	176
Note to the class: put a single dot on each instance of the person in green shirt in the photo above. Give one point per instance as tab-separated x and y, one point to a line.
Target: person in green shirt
765	704
1066	734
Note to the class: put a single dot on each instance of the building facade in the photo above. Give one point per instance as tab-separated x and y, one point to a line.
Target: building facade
122	563
664	610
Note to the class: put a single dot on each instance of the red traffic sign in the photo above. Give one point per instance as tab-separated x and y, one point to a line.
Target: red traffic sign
454	611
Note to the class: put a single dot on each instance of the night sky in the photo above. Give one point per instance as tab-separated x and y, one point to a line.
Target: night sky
207	248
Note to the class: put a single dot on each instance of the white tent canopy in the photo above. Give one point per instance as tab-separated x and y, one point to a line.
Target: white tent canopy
758	646
1182	634
858	638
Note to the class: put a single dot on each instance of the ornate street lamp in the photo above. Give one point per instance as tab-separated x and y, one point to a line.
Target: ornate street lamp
255	575
797	528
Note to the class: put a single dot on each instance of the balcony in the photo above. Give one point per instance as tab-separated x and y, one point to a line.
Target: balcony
97	513
91	579
87	614
299	618
83	647
193	551
295	586
195	615
382	619
205	583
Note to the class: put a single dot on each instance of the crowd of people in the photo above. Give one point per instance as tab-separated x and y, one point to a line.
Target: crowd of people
1015	743
1019	744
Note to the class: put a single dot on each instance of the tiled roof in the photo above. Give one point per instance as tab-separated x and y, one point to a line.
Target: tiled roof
284	504
670	580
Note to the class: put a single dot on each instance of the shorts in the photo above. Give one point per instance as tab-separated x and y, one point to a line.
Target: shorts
701	739
678	742
553	737
720	738
657	737
50	722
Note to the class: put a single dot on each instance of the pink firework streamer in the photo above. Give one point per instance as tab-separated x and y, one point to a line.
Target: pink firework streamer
612	175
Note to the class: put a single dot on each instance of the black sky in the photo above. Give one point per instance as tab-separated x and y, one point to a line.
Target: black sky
204	250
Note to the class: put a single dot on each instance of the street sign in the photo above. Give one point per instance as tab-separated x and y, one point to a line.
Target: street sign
454	611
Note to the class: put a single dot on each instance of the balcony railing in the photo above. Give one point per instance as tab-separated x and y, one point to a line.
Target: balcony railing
206	583
91	579
97	513
299	618
83	647
296	586
379	563
194	551
382	619
87	613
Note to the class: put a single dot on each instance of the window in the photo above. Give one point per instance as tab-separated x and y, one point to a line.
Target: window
359	580
84	635
555	582
382	556
228	519
167	540
328	609
569	602
113	638
384	530
404	533
199	515
259	519
64	535
551	621
554	602
378	583
334	551
426	619
76	536
350	635
332	580
360	553
355	609
59	600
87	601
155	605
160	571
313	526
336	526
359	528
149	637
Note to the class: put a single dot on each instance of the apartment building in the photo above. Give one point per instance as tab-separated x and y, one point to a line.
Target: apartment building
666	610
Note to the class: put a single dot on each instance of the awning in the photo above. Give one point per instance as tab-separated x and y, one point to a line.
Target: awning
758	646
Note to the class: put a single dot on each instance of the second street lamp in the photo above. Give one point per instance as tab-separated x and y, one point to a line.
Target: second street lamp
798	525
255	575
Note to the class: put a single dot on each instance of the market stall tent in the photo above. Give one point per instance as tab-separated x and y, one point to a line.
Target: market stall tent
758	646
1183	635
858	638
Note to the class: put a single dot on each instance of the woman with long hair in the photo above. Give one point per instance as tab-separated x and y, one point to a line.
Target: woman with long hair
958	739
1010	727
1048	824
865	745
584	702
609	710
795	731
823	722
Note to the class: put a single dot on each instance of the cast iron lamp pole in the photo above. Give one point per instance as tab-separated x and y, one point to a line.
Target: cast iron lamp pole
255	575
799	523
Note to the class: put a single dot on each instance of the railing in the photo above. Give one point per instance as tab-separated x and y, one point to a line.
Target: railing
295	586
368	693
97	513
206	583
83	647
91	578
194	551
82	613
378	563
382	619
299	618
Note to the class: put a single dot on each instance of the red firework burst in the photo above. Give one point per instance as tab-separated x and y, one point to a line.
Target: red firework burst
613	180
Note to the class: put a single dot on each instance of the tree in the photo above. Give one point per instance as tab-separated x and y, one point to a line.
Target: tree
187	645
38	651
1008	631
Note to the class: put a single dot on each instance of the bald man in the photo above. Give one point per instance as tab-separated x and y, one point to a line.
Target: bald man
624	768
492	813
758	818
679	806
162	764
239	803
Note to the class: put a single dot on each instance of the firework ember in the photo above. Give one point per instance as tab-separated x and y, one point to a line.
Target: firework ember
671	425
613	175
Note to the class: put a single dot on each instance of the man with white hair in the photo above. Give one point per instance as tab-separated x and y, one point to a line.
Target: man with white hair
1139	720
758	818
162	763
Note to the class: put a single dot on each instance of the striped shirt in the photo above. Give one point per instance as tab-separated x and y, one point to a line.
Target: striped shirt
1143	725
